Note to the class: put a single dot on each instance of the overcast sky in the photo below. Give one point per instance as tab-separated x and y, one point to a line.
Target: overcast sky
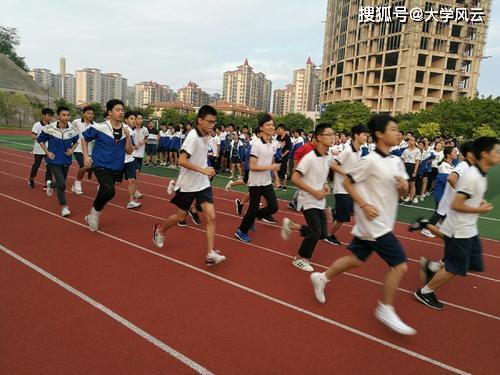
175	41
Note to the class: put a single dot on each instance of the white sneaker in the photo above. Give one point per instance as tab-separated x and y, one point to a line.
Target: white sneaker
77	188
422	198
158	238
427	233
65	212
92	220
228	185
303	264
50	189
386	315
319	281
133	204
415	200
407	199
138	195
286	229
214	257
171	187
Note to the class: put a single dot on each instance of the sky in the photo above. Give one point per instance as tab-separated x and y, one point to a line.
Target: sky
176	41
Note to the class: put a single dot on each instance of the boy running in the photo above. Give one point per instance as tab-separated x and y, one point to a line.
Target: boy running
38	152
82	125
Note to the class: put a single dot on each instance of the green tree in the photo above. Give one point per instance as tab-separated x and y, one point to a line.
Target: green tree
296	121
98	111
486	131
4	105
19	107
344	115
429	130
170	117
8	41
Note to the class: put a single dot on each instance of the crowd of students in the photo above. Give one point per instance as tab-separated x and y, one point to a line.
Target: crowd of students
373	169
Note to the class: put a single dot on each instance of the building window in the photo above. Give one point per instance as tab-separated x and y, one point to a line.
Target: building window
424	42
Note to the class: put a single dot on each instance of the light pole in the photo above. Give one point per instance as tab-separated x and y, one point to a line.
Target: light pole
48	90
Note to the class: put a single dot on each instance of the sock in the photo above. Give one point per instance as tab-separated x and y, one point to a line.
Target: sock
434	266
426	290
326	278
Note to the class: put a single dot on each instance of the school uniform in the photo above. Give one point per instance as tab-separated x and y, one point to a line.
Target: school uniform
191	185
445	202
81	125
38	153
374	176
140	134
462	248
410	158
313	169
59	140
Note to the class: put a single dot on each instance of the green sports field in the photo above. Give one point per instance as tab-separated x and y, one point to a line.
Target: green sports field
489	224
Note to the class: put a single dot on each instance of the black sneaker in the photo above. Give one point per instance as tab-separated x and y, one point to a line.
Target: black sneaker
195	217
269	219
239	207
428	299
419	224
332	240
291	206
31	183
426	274
182	223
283	188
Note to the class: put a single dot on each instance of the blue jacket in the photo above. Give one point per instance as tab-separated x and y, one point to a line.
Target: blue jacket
59	140
426	165
107	153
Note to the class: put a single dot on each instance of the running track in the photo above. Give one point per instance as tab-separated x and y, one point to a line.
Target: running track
110	302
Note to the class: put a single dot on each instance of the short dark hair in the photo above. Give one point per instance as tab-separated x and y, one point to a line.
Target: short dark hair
87	108
47	111
245	127
138	113
447	151
320	129
61	108
357	130
467	147
282	126
130	113
264	118
112	103
378	123
204	111
484	144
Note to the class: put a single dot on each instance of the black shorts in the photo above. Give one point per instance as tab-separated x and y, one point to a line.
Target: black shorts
245	176
138	163
79	158
129	171
151	149
235	160
184	200
462	255
410	168
386	246
343	208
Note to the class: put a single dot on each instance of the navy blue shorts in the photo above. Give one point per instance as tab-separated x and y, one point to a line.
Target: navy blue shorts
151	149
386	246
138	163
129	170
79	158
343	208
462	255
184	200
410	167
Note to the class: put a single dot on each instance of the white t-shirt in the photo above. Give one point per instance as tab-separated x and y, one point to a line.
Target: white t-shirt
82	126
402	144
314	169
438	159
264	153
37	129
196	146
130	158
411	156
374	179
346	159
445	202
140	134
215	145
473	184
445	168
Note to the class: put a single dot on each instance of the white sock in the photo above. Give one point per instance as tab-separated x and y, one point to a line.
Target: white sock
426	290
434	266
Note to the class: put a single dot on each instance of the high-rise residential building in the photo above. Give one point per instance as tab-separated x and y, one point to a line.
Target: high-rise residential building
131	96
152	92
114	86
397	66
89	86
245	87
62	65
68	87
193	94
48	80
306	83
283	100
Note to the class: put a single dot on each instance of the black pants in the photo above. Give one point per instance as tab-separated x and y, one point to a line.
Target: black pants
284	167
106	179
36	165
315	230
60	173
432	178
253	212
